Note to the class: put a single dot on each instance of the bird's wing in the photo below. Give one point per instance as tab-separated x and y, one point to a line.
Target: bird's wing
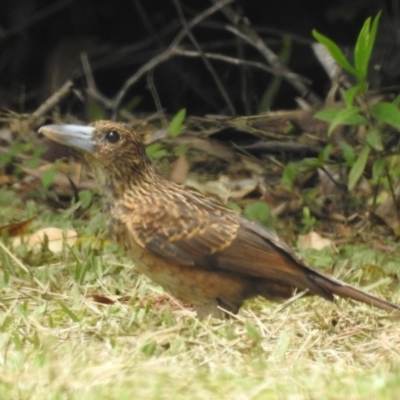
190	230
185	229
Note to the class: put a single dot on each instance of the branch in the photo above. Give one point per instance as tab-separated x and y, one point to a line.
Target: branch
244	30
167	54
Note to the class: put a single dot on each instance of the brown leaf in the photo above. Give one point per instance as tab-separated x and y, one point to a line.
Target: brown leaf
224	188
98	298
16	228
313	240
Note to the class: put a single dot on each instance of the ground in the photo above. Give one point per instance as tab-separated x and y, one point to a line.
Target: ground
59	340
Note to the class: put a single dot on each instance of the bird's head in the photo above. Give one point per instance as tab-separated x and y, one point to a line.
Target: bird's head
114	151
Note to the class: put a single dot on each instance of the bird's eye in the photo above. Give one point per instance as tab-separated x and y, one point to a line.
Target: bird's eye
112	136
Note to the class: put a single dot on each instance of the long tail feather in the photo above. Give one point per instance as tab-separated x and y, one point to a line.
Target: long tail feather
344	290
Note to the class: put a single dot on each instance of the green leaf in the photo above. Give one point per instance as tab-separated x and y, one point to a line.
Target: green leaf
336	114
348	153
156	151
175	126
324	154
334	51
289	175
327	114
149	348
259	212
374	139
48	177
378	169
347	116
349	94
364	45
361	51
67	311
5	159
386	112
358	168
396	100
85	198
233	206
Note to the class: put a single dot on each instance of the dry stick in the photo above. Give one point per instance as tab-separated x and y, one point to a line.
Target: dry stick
96	95
172	49
238	61
51	102
154	34
156	97
207	63
244	86
92	90
244	30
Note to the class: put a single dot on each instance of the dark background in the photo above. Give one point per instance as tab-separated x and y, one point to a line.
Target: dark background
41	42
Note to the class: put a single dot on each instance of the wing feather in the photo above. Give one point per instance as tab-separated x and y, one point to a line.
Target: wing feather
198	233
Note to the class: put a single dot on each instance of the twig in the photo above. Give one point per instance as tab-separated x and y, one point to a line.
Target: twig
244	30
275	146
92	90
244	86
154	34
51	102
156	97
207	63
172	49
238	61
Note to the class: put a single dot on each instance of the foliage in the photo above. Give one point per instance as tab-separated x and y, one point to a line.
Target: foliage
359	111
176	125
259	211
159	150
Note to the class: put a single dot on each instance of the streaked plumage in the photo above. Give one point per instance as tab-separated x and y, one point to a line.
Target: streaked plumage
198	250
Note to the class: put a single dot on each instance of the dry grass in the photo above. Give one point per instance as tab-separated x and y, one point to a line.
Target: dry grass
57	343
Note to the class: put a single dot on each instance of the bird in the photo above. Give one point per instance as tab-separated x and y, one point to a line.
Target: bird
198	250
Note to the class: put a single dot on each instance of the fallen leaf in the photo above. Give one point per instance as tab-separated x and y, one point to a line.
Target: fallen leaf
54	237
108	300
224	188
16	228
98	298
313	240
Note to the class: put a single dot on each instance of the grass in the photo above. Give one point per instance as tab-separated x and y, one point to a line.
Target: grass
56	342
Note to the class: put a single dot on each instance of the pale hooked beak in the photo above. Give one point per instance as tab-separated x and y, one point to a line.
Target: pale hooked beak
76	136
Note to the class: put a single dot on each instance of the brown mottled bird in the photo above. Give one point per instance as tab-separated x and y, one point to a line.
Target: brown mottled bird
198	250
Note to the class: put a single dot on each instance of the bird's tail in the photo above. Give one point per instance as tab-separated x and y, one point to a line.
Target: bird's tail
333	286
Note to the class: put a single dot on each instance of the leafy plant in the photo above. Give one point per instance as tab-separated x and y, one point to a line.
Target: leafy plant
259	212
358	110
158	150
175	126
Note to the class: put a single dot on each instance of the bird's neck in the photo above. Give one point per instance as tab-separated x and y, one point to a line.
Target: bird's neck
132	183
